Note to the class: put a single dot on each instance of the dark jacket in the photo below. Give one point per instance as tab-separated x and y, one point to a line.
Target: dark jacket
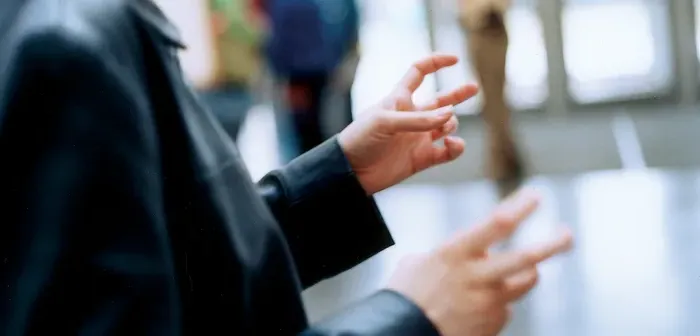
126	210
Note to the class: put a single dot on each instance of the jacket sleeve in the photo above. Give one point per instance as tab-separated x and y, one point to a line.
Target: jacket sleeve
330	223
386	313
81	250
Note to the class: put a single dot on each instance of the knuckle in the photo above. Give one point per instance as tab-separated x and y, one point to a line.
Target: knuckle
528	258
501	221
382	120
427	120
532	257
526	281
403	101
471	275
418	67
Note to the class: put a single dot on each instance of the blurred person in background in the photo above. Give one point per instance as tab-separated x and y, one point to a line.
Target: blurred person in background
313	53
484	25
238	32
125	208
344	18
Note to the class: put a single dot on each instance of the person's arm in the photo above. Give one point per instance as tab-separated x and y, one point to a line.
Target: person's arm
81	247
386	313
330	222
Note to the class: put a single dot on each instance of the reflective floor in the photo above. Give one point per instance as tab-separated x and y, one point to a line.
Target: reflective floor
635	269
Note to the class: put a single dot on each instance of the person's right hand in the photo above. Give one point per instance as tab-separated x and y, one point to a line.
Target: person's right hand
466	290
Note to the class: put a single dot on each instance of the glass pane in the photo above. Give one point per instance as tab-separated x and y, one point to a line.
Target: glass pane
527	58
394	34
616	50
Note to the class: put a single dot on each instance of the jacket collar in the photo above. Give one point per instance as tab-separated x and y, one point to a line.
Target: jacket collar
156	21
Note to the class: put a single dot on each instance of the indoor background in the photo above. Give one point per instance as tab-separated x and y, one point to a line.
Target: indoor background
607	98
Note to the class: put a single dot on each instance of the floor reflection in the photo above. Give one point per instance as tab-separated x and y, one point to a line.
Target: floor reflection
634	270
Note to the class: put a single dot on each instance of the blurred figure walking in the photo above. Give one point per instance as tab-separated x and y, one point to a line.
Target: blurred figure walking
483	23
311	42
238	30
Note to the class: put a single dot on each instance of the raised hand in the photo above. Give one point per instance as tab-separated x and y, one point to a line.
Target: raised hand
395	139
466	290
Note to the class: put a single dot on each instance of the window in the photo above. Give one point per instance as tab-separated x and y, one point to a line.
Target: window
616	49
393	36
527	59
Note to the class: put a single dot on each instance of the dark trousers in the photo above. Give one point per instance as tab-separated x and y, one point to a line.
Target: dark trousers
230	104
305	97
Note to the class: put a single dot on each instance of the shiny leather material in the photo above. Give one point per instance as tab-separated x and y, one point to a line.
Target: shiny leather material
384	313
126	210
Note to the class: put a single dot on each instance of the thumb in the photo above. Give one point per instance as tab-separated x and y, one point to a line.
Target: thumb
416	121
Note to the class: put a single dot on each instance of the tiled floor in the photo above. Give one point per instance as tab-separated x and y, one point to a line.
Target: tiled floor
635	269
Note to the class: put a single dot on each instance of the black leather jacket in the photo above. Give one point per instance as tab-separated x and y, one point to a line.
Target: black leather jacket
126	210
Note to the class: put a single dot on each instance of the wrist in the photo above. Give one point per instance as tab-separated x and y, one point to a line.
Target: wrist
343	140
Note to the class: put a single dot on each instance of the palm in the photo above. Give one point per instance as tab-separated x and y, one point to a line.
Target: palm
396	139
405	153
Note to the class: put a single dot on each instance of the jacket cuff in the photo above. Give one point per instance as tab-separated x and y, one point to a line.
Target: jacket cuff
386	313
330	223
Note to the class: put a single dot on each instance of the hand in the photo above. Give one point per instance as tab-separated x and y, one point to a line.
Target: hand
465	290
395	139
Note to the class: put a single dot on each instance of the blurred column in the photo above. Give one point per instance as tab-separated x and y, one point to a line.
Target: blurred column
550	14
430	21
685	49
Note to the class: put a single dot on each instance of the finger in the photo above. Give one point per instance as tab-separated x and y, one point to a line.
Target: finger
448	128
501	223
503	265
515	287
395	121
453	97
415	75
452	149
509	312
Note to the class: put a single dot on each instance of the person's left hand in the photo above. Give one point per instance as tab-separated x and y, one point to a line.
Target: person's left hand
395	139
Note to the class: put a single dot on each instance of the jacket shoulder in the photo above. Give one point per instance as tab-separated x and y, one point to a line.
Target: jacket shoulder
72	53
58	33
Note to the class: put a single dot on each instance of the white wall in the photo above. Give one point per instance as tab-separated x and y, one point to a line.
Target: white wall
191	17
